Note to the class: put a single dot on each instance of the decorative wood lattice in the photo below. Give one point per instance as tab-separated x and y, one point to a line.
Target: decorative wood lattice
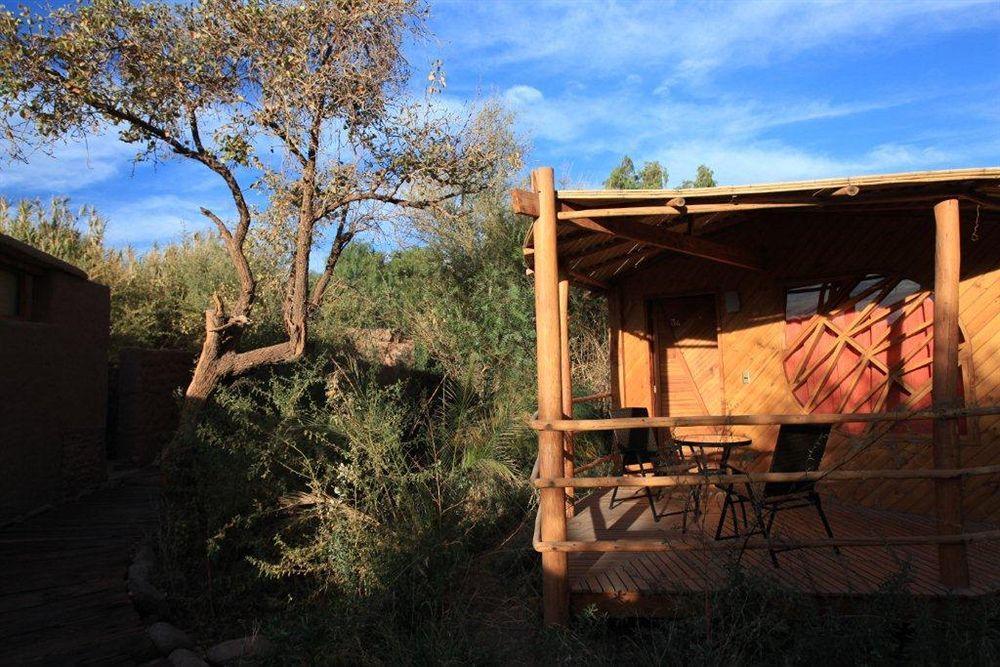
860	345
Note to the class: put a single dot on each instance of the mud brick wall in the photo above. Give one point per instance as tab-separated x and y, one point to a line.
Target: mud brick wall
53	393
148	386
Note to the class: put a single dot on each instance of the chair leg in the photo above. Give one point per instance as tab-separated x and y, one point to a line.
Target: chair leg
818	504
722	517
684	513
652	505
767	535
736	523
649	491
621	473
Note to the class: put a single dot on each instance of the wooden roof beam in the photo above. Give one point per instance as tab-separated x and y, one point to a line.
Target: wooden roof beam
658	237
524	202
587	281
640	254
846	191
585	260
634	211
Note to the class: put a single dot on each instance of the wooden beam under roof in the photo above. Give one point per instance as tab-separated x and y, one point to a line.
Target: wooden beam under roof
632	211
658	237
805	188
586	259
587	281
524	202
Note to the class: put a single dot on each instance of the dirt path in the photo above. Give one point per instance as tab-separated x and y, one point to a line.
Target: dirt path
63	597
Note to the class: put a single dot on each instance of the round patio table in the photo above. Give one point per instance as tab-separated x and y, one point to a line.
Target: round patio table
698	443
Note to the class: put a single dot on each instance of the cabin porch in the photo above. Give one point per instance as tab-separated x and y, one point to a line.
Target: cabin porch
867	308
660	582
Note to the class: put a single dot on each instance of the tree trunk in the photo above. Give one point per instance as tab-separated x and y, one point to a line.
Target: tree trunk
212	366
206	377
219	360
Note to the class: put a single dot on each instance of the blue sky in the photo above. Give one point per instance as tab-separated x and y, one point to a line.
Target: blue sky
759	91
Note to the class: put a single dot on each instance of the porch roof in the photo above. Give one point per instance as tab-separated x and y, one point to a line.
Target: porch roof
604	235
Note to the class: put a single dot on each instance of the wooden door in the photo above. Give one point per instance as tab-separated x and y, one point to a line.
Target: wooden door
688	365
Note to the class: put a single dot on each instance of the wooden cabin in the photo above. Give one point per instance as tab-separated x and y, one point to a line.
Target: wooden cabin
870	304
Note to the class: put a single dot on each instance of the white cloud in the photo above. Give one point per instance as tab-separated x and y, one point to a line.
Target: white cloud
522	95
161	218
740	163
68	167
687	41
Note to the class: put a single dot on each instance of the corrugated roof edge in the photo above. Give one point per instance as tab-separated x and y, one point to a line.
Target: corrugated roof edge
34	255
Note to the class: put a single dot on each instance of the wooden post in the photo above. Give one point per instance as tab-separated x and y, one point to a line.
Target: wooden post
953	566
552	503
567	386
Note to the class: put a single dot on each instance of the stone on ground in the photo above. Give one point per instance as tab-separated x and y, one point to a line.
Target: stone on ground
253	646
183	657
167	637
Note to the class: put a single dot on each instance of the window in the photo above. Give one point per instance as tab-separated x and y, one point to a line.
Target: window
10	293
862	344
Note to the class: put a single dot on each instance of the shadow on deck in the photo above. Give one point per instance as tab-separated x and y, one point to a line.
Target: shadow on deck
654	582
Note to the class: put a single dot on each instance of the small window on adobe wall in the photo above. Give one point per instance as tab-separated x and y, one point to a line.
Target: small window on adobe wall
10	293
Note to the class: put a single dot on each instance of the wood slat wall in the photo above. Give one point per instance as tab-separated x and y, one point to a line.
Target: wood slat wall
688	365
803	247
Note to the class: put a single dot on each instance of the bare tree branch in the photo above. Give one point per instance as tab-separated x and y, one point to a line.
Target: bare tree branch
343	237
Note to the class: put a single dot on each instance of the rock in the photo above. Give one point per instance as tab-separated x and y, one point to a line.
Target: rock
146	597
145	556
167	638
183	657
157	662
254	646
139	570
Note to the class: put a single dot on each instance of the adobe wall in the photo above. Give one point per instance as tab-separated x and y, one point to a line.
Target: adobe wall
53	386
147	391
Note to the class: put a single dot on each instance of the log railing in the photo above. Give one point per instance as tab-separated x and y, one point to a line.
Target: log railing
589	398
755	420
697	479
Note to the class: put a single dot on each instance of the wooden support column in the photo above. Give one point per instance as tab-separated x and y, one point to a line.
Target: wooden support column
567	387
552	503
953	564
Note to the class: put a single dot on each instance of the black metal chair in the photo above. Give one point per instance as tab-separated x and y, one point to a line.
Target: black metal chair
800	448
637	453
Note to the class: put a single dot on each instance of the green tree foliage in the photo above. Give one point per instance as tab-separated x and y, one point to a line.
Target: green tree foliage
652	176
158	297
306	103
364	497
151	297
704	178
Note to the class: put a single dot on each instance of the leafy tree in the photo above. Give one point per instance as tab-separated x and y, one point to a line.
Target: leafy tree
653	177
302	102
704	178
624	177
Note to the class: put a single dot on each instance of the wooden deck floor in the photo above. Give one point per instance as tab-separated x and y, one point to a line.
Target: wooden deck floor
63	597
856	571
